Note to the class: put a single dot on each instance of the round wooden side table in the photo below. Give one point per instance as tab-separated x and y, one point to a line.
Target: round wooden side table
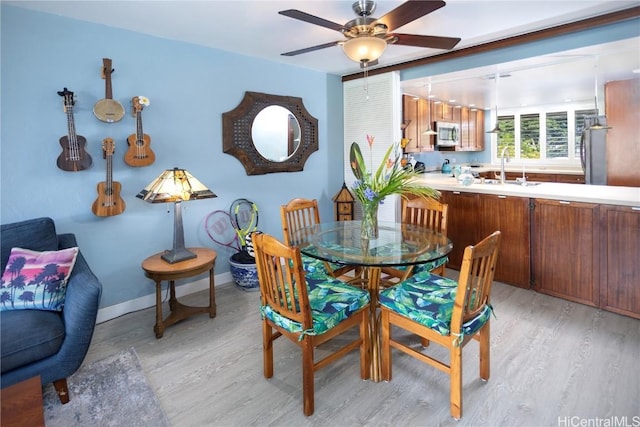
158	270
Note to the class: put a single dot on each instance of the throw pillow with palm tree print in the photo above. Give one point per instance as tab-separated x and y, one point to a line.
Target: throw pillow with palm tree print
36	280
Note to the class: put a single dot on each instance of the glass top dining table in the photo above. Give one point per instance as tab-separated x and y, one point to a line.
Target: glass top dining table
397	245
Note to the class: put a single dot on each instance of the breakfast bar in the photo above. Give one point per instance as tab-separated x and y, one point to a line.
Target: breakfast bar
573	241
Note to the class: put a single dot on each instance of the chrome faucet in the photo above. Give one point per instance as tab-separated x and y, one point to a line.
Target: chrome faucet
502	160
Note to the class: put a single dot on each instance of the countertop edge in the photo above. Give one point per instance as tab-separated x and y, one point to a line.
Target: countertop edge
601	194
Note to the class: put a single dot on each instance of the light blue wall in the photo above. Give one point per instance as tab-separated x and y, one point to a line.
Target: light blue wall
189	88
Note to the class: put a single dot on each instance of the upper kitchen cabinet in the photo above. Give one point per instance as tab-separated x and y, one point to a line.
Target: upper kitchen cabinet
622	103
416	120
420	114
445	112
471	129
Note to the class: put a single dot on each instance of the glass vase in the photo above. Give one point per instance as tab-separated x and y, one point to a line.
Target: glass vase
369	228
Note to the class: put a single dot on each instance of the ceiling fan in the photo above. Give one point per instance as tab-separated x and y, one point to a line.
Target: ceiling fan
367	37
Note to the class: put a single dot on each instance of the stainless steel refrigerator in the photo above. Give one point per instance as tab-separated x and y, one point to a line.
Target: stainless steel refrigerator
593	150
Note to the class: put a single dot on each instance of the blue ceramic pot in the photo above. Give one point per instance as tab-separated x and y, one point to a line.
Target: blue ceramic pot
245	276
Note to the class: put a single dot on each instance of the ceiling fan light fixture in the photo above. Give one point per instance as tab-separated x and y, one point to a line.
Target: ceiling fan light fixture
364	48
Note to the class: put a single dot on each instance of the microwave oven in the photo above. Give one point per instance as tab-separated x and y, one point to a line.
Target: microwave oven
448	134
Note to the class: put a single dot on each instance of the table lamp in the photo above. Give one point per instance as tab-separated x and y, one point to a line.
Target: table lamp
175	185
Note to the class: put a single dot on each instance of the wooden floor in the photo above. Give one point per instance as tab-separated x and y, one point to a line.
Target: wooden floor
553	363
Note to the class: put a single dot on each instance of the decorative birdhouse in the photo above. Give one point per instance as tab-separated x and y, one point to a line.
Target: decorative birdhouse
344	201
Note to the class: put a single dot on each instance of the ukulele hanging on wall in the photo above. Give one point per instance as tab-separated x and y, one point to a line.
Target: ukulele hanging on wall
108	110
139	152
73	157
109	202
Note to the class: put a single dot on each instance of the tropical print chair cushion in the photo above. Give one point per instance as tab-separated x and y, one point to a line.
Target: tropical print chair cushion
314	265
427	266
428	299
331	301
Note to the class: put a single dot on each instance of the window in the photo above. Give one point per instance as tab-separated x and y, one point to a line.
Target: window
530	136
543	135
557	135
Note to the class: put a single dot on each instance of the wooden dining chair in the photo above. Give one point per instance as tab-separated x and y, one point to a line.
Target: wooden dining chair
300	213
309	310
446	312
426	212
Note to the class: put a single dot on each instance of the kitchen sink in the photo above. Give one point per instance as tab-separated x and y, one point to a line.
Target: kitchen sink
522	184
525	183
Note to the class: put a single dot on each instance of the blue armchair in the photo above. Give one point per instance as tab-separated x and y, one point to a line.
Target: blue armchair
51	344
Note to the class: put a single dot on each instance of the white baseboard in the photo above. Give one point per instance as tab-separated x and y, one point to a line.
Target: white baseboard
117	310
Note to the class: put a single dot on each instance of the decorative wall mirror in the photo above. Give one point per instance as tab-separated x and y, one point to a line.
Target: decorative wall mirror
269	133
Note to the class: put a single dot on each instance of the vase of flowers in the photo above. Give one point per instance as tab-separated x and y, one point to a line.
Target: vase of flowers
389	178
369	228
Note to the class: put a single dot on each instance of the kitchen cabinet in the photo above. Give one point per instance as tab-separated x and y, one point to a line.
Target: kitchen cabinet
569	179
416	116
410	123
538	176
471	129
443	111
510	215
426	142
462	223
565	250
583	252
478	115
472	217
419	113
620	259
622	103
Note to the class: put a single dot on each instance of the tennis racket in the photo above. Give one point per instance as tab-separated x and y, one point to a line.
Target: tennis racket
244	219
219	229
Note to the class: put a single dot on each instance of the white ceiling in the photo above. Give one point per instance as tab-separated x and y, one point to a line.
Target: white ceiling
563	77
255	28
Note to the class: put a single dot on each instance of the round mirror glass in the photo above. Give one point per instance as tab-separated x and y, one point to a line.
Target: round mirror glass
275	133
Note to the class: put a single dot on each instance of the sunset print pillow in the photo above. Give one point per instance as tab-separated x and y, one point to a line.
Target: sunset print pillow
36	280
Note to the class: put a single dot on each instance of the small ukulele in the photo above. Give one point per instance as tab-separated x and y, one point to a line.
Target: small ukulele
108	110
74	157
109	202
139	152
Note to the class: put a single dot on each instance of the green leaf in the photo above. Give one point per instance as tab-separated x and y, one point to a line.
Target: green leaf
356	161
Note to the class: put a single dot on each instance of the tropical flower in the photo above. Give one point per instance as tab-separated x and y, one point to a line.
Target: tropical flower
389	178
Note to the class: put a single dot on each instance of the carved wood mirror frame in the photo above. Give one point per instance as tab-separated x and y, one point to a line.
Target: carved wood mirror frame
237	139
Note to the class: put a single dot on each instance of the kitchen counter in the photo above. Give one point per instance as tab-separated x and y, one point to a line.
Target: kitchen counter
602	194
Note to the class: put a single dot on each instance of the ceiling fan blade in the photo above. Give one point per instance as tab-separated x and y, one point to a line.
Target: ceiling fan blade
434	42
310	49
409	11
303	16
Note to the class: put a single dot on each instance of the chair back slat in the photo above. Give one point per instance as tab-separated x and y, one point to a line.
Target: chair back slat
475	280
426	212
298	214
282	279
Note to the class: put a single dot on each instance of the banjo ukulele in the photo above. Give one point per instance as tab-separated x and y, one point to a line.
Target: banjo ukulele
108	110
